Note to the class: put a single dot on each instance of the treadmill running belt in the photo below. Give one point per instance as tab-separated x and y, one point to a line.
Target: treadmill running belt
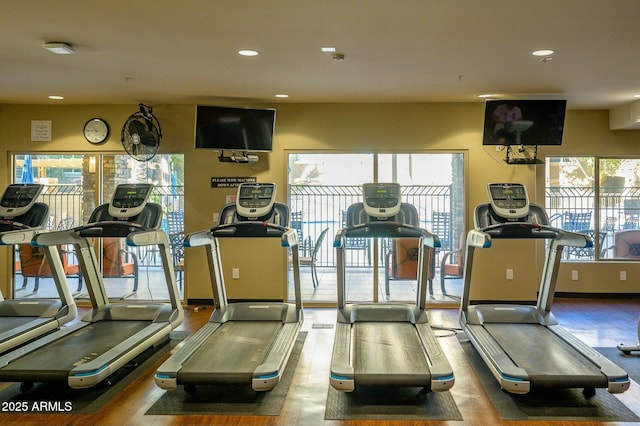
9	323
389	353
547	359
54	361
231	354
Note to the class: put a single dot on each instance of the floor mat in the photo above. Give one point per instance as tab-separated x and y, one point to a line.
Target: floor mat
546	404
240	400
405	403
629	363
58	397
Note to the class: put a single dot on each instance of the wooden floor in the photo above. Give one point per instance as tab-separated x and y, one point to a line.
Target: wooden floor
599	323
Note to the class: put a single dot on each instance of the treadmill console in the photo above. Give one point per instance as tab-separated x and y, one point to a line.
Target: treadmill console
381	200
509	200
129	199
255	200
18	199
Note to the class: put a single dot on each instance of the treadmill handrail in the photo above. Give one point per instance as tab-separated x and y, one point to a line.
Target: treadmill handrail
91	230
245	229
19	236
385	230
525	230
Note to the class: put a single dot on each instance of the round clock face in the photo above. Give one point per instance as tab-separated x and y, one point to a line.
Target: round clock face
96	130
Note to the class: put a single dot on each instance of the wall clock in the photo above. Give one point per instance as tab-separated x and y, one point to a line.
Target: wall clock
96	130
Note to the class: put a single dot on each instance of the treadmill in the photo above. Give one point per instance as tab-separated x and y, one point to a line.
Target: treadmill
110	335
386	344
22	320
523	346
243	342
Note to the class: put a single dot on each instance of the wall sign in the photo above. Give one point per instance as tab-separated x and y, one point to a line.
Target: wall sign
41	130
230	182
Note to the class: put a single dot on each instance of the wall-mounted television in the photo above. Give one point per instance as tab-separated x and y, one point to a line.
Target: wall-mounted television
524	122
234	129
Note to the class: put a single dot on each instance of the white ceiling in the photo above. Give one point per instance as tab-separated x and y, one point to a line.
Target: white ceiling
169	51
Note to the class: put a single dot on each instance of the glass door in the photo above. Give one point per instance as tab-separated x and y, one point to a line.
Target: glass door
322	186
74	186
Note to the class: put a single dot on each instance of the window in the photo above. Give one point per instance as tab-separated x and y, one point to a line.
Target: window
320	191
599	197
74	186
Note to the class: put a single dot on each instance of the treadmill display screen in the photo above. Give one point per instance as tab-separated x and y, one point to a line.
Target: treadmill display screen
509	197
381	197
509	200
19	195
255	200
18	198
253	197
381	200
129	200
127	197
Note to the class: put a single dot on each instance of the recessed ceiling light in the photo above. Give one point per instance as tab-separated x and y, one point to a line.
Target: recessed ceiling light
328	49
636	96
248	52
282	95
542	52
59	47
485	95
56	97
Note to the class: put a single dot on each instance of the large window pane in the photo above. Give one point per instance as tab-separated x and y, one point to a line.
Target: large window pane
72	193
620	208
322	186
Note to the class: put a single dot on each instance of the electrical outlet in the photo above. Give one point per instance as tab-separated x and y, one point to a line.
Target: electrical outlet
235	273
509	274
574	275
623	275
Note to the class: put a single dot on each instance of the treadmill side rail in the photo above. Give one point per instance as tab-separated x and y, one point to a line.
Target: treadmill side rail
442	377
267	375
166	376
93	372
342	376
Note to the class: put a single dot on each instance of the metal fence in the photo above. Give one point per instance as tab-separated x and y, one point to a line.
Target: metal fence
66	208
601	215
318	207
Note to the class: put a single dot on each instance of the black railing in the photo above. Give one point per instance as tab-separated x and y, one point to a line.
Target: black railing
576	209
317	207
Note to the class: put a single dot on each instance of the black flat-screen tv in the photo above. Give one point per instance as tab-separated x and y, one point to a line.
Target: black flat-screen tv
524	122
234	129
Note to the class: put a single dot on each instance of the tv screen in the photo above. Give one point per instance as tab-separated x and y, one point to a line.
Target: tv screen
524	122
234	129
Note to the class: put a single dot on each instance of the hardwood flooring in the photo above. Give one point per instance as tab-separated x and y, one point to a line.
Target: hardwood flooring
602	323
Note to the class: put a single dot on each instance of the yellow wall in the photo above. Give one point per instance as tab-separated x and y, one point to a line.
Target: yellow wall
350	127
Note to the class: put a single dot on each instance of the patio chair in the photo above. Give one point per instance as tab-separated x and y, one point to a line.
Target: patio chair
401	262
452	264
626	244
176	242
34	264
441	226
119	263
312	259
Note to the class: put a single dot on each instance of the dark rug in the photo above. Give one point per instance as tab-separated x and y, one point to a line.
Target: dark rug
393	403
55	397
629	363
547	404
239	400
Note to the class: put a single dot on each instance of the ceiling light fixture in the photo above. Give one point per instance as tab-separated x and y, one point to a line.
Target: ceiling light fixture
248	52
328	49
282	95
485	95
56	97
636	96
59	47
542	52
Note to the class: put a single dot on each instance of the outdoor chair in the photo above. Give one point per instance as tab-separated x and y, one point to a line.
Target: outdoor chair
34	264
401	262
452	264
312	259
